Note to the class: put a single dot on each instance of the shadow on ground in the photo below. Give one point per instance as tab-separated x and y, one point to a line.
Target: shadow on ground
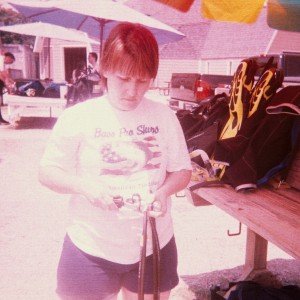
282	272
35	123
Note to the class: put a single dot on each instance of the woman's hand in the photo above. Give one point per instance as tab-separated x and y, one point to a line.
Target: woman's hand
174	182
96	192
159	205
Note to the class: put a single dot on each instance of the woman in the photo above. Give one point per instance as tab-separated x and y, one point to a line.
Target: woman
121	145
93	77
6	58
78	90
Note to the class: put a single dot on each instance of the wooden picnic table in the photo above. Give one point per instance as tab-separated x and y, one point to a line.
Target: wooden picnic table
269	214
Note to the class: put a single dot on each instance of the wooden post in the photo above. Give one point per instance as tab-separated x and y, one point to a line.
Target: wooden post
256	255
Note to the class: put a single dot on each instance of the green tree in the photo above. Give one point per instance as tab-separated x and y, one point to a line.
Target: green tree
10	17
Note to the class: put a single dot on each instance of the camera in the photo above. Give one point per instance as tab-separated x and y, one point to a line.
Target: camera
135	203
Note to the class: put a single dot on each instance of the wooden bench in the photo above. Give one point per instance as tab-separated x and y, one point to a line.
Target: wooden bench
16	105
270	214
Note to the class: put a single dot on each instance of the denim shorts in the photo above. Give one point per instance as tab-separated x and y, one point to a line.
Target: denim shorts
89	277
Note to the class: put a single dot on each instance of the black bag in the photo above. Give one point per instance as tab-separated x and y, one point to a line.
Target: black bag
247	109
35	86
201	125
52	90
269	149
249	290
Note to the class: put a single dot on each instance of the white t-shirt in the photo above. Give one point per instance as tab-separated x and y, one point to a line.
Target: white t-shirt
93	73
2	65
129	150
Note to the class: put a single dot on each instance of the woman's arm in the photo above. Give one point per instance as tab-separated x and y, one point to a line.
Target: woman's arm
58	180
93	189
74	76
175	182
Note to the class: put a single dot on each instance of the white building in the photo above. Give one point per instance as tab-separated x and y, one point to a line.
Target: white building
209	47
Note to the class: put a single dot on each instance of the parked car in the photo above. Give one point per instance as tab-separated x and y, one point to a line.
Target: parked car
288	61
187	89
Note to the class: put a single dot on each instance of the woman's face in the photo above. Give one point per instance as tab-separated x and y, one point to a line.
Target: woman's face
125	92
8	60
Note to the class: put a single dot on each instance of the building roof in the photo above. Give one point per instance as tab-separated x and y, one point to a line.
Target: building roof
167	14
190	47
206	39
227	40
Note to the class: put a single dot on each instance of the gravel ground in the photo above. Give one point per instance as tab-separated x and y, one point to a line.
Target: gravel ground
32	221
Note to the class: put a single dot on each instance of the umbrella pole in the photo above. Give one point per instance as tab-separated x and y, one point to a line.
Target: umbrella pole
49	60
101	24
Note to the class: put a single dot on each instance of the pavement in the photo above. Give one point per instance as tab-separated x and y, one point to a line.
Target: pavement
33	218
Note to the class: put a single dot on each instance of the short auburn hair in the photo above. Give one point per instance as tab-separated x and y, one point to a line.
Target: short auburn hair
130	49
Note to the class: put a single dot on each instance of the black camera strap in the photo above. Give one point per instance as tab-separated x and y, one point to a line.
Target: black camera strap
135	203
156	258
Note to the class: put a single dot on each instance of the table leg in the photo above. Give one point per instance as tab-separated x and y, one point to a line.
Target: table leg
256	255
14	113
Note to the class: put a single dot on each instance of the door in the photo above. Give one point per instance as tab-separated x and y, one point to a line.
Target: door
72	56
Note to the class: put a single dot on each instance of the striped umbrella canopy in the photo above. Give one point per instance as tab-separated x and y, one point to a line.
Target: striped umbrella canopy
95	17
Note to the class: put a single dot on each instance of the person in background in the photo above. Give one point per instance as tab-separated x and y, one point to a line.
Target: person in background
118	146
78	89
6	58
92	63
79	72
93	73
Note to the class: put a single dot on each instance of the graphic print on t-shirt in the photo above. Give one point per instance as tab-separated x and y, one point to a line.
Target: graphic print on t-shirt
128	157
129	168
